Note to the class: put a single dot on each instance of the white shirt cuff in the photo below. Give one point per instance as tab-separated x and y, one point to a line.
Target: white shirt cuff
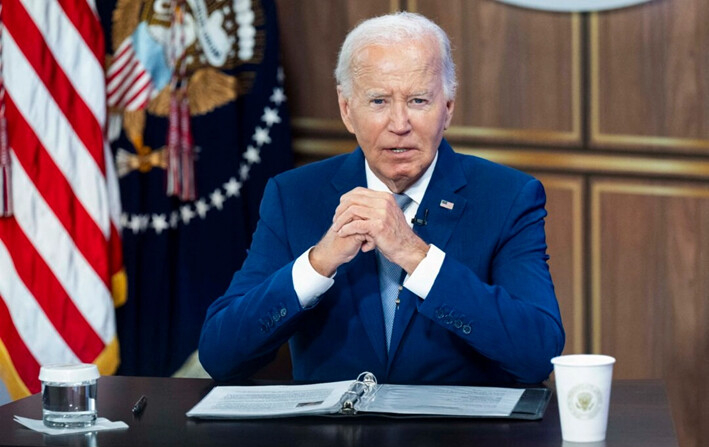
307	282
422	279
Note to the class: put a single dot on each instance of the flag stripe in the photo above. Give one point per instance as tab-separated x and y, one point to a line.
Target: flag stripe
138	93
114	212
140	101
121	58
38	334
22	359
49	296
84	19
55	133
40	57
58	194
71	52
126	75
133	75
58	250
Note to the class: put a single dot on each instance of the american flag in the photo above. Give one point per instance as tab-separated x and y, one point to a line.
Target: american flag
60	257
447	205
129	84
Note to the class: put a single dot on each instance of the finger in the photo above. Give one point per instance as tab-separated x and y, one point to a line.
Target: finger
368	228
368	245
364	197
358	212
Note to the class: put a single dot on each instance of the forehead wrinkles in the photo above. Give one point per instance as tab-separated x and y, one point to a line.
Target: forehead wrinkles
377	61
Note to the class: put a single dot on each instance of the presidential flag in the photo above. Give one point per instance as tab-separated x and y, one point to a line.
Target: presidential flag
60	257
199	125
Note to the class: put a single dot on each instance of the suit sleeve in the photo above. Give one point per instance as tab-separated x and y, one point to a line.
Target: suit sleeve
244	328
512	317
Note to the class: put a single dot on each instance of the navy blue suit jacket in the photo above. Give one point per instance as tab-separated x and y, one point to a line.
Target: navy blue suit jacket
491	316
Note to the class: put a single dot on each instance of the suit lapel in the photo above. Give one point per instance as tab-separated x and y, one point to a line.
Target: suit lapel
445	207
361	272
441	221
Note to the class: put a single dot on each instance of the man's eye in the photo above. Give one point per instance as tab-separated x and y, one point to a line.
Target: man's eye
418	101
378	101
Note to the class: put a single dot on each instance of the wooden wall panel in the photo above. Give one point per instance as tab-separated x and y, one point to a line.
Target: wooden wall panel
649	80
518	70
650	249
565	229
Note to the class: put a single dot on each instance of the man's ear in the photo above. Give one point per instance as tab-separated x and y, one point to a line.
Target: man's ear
450	105
344	104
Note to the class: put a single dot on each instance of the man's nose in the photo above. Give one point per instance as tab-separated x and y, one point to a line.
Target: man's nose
399	119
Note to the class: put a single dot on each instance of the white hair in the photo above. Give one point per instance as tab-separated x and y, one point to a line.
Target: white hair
394	28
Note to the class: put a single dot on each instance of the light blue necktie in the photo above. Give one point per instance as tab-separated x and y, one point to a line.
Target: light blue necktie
389	279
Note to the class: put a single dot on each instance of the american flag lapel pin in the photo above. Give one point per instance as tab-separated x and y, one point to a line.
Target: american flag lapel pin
447	205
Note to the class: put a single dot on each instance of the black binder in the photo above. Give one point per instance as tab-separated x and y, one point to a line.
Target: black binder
532	404
365	397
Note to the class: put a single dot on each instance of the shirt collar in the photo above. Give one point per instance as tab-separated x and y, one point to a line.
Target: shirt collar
415	191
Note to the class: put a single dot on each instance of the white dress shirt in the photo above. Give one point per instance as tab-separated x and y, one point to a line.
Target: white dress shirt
309	284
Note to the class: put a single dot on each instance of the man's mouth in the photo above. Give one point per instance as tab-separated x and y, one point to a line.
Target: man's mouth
399	150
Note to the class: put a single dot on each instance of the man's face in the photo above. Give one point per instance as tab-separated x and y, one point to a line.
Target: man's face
397	110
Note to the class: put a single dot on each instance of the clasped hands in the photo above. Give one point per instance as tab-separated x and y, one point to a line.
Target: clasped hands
365	220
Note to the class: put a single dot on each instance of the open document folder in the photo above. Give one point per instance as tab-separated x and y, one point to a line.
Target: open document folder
366	396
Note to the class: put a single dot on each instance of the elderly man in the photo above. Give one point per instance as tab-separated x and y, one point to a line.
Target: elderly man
401	258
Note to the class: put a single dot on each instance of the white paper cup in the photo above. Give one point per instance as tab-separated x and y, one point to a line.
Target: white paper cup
583	388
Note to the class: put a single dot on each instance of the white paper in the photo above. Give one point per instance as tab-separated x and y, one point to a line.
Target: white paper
444	400
270	400
38	425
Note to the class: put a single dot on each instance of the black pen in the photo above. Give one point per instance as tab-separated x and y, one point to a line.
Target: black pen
140	405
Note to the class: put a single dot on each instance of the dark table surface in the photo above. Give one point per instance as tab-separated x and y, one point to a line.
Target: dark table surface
639	416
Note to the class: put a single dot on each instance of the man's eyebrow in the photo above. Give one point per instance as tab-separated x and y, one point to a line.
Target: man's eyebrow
375	94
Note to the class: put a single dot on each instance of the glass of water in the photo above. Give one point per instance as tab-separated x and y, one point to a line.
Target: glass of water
69	395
